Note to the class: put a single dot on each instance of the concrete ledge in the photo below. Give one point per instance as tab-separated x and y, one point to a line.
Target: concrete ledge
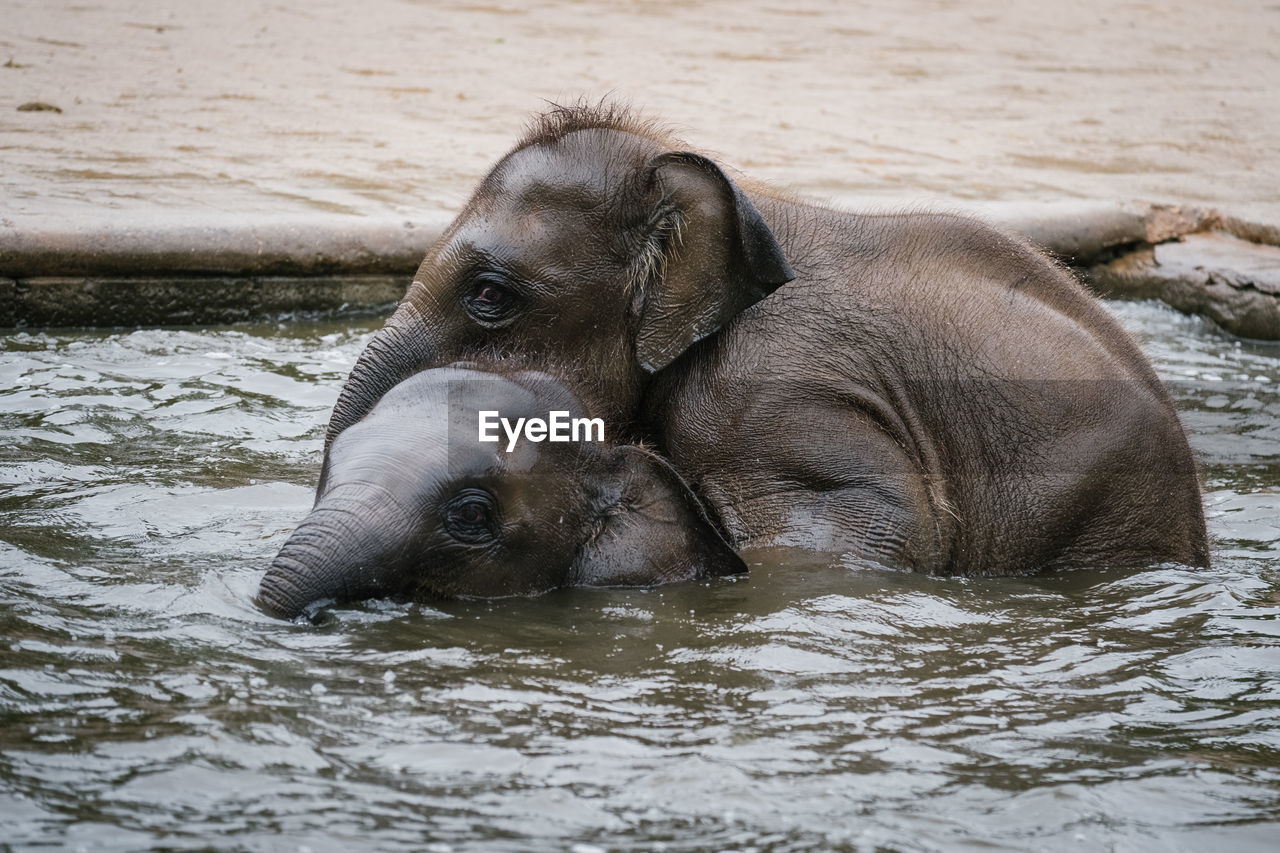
170	301
1074	232
220	244
163	270
1234	282
203	269
8	301
1082	233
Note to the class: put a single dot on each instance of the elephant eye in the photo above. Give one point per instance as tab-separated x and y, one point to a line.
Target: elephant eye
471	516
490	299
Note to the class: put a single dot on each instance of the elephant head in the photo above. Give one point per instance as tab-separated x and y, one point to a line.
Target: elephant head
412	503
595	243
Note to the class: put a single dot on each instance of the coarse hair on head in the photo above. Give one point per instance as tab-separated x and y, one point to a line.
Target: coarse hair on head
560	120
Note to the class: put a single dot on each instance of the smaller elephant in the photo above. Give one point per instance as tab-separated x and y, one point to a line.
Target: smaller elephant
412	503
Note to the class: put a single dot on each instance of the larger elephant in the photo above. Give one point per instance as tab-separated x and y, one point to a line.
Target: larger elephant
925	391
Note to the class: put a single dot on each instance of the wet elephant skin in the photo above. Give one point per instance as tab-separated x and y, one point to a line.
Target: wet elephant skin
412	505
916	389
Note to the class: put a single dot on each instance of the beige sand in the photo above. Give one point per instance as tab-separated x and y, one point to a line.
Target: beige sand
390	106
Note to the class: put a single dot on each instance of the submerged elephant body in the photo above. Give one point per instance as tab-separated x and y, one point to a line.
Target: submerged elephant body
920	390
958	405
411	503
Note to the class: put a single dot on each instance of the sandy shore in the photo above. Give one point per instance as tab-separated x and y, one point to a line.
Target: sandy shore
389	107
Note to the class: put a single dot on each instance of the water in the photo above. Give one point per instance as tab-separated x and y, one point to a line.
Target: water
148	477
392	108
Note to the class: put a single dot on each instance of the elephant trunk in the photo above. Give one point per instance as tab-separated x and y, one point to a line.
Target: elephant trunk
337	554
398	350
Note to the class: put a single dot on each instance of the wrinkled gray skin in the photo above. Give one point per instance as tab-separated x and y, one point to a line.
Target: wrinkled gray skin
926	392
411	504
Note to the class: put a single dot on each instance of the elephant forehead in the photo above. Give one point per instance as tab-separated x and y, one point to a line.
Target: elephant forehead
412	459
441	393
552	178
526	233
471	392
450	398
430	427
543	247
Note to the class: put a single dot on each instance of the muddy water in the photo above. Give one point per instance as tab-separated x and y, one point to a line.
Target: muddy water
397	107
147	478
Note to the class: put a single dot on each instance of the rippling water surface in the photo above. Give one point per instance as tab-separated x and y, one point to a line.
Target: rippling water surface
147	478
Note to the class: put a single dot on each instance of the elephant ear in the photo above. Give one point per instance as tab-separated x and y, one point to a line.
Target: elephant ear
719	258
654	530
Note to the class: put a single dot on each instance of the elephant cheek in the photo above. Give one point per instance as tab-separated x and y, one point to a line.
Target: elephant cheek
658	532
